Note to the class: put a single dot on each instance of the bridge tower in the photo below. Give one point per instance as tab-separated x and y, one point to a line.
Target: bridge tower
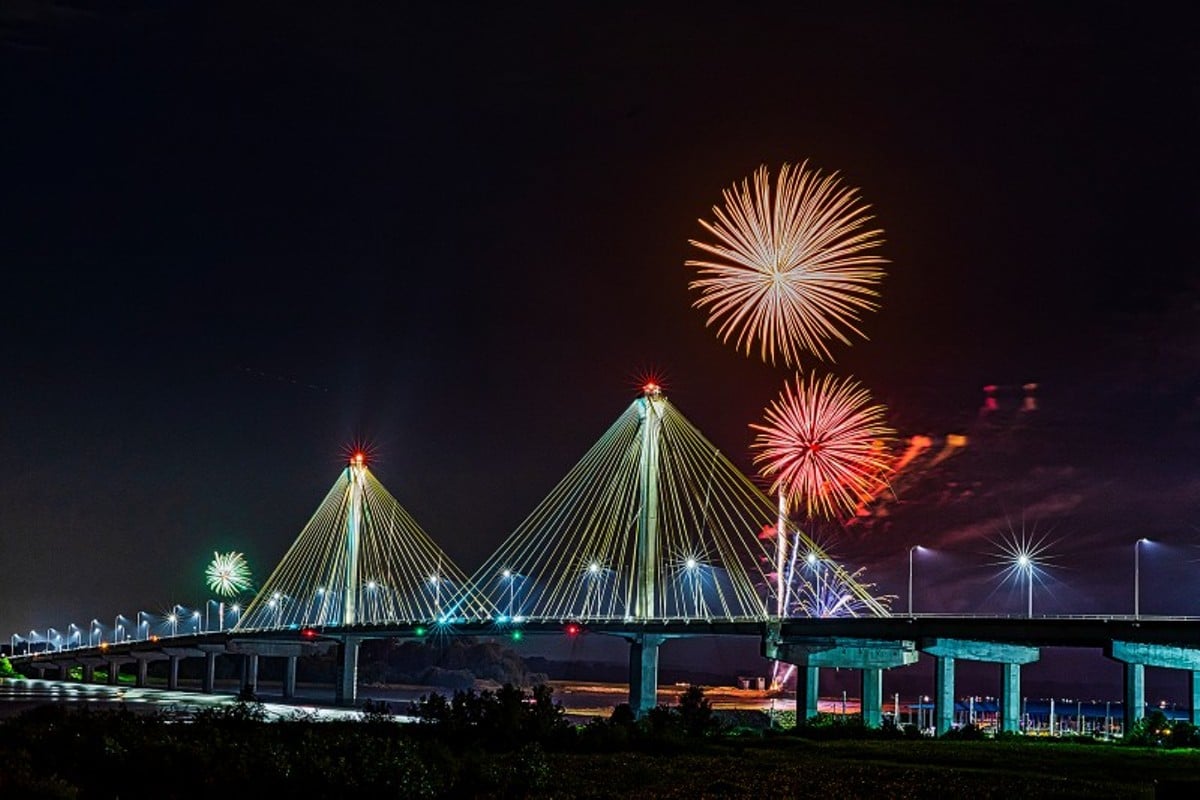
356	474
650	411
643	648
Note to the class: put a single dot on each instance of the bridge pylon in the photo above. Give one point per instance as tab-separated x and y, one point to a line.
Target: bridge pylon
362	560
650	406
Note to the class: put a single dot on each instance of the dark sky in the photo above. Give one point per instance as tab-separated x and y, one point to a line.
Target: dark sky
235	241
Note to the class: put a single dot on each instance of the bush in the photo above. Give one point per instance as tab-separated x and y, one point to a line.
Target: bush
825	726
964	733
503	719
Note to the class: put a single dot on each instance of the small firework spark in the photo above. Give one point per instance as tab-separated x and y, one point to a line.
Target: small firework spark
824	445
228	574
793	273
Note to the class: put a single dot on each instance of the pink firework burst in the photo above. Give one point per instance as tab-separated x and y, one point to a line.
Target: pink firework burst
824	445
792	269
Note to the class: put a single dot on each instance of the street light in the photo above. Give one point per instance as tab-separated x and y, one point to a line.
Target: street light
1025	564
98	633
911	550
1137	578
508	576
196	618
143	618
692	565
173	618
372	601
237	611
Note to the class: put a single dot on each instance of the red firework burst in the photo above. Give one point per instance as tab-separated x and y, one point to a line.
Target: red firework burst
824	445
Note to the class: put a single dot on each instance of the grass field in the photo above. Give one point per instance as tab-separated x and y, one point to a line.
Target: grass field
885	769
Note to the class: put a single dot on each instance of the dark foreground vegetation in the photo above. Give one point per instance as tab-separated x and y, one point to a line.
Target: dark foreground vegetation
511	743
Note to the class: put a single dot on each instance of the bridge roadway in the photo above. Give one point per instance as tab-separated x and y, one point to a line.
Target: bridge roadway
869	644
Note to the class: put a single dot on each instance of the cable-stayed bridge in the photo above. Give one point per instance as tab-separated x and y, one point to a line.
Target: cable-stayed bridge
654	534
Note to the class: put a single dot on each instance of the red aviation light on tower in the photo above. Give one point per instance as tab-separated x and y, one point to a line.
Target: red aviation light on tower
650	382
358	459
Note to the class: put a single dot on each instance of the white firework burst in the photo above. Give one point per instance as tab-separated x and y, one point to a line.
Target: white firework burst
791	271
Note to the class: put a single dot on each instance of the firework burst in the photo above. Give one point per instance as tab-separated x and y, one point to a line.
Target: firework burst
824	445
793	270
228	574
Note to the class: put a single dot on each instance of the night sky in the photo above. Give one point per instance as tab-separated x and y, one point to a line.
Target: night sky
235	242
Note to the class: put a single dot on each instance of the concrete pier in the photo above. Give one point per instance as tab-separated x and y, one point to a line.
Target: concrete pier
810	654
643	672
346	680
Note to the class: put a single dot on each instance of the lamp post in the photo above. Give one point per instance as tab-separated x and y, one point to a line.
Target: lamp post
814	564
1026	565
173	618
196	618
508	576
236	609
1137	578
436	582
911	550
97	632
693	568
143	619
373	601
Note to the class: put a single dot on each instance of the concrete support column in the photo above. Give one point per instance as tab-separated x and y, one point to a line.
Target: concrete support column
250	672
345	690
943	691
114	669
871	697
173	672
142	667
643	673
1194	694
289	677
210	672
89	673
1135	695
40	672
1010	698
808	692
